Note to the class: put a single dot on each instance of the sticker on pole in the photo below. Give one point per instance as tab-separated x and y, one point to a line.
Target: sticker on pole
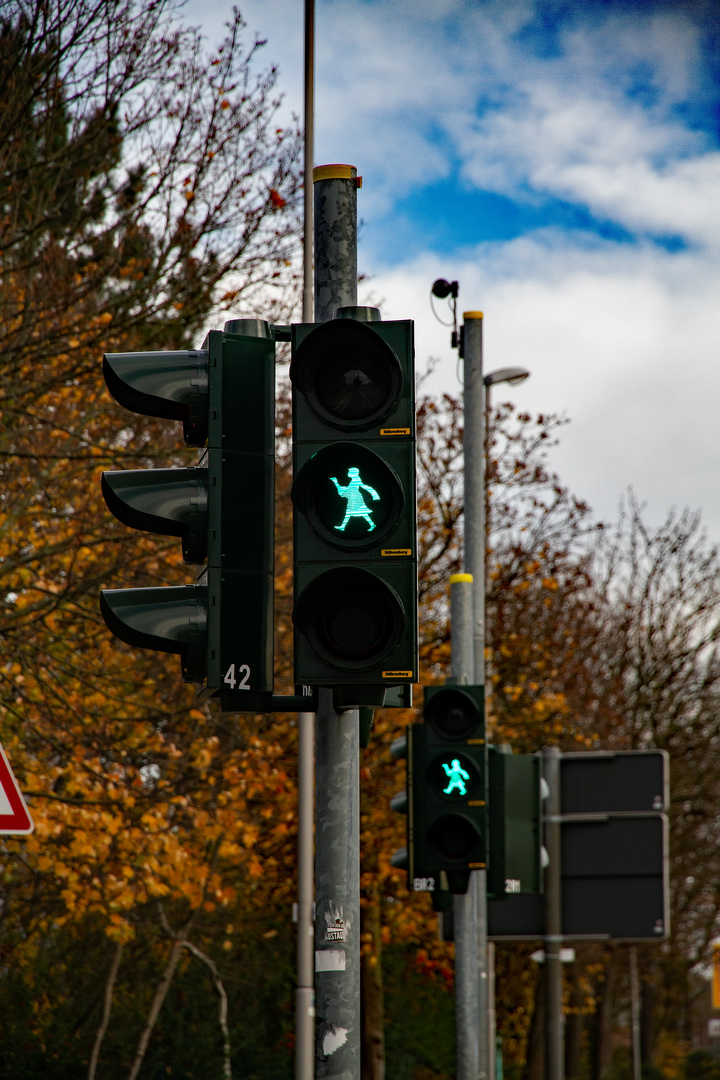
14	814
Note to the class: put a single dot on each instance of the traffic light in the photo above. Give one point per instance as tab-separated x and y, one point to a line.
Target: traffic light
445	797
355	537
515	826
222	509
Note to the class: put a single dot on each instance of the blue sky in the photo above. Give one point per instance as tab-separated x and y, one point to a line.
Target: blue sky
562	162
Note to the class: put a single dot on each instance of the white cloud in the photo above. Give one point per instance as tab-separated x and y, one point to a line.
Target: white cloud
623	340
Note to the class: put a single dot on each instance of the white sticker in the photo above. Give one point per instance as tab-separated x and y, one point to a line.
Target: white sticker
330	960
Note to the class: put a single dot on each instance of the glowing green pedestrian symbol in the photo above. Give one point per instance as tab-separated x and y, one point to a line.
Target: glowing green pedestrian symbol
356	505
456	776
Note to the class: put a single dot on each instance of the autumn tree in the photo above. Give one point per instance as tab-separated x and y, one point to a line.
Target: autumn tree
145	187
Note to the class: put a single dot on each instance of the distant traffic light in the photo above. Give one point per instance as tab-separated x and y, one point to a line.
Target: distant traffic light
515	826
222	509
355	542
445	797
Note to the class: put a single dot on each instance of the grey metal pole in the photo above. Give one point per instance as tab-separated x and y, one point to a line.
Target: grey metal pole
635	1012
464	905
308	290
553	919
337	801
337	876
335	203
305	991
474	474
474	467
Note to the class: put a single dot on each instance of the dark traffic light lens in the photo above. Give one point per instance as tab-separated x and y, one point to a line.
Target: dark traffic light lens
353	387
350	376
454	837
453	714
350	617
351	496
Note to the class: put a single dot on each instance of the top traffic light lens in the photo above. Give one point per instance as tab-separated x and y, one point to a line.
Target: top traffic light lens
452	713
350	376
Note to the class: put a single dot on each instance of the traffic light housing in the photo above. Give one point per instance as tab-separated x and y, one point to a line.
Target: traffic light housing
515	824
355	536
445	798
222	509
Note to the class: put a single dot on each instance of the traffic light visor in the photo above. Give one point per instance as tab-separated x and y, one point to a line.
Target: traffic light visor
171	619
172	502
350	617
350	376
170	385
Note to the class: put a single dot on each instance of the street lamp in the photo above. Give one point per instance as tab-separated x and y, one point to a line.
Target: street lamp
512	375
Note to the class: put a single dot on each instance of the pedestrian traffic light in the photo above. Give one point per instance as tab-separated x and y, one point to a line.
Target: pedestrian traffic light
222	509
445	797
515	829
355	542
435	883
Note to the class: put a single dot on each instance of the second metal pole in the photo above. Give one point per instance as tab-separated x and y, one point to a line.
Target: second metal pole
553	919
465	915
474	469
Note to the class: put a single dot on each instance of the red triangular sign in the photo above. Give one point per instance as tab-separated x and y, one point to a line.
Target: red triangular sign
14	814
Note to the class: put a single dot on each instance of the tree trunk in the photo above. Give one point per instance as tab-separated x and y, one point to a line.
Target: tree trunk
648	1034
371	989
107	1006
160	993
536	1039
574	1027
605	1017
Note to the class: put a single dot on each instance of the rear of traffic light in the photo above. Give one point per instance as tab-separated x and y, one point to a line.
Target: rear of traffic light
355	544
445	798
222	509
515	793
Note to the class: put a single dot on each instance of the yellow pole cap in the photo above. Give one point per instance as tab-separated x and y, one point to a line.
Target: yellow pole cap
472	315
454	578
336	172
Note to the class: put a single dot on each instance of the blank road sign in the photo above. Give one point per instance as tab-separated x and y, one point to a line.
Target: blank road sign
614	877
632	781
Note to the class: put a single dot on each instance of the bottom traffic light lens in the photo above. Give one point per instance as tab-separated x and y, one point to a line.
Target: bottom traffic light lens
454	838
350	617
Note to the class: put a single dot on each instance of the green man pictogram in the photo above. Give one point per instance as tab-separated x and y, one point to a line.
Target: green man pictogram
456	776
356	505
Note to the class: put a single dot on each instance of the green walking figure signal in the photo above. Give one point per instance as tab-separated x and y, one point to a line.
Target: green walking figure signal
356	505
457	777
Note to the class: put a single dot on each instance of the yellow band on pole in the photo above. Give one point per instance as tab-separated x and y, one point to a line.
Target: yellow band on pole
472	315
460	577
716	979
334	172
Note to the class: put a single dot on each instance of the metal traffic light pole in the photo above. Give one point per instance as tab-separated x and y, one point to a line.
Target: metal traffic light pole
465	922
337	761
474	474
305	990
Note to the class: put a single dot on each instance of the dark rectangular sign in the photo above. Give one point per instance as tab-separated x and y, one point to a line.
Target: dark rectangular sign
614	882
601	782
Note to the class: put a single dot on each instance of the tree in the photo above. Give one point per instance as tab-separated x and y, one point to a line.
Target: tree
145	186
